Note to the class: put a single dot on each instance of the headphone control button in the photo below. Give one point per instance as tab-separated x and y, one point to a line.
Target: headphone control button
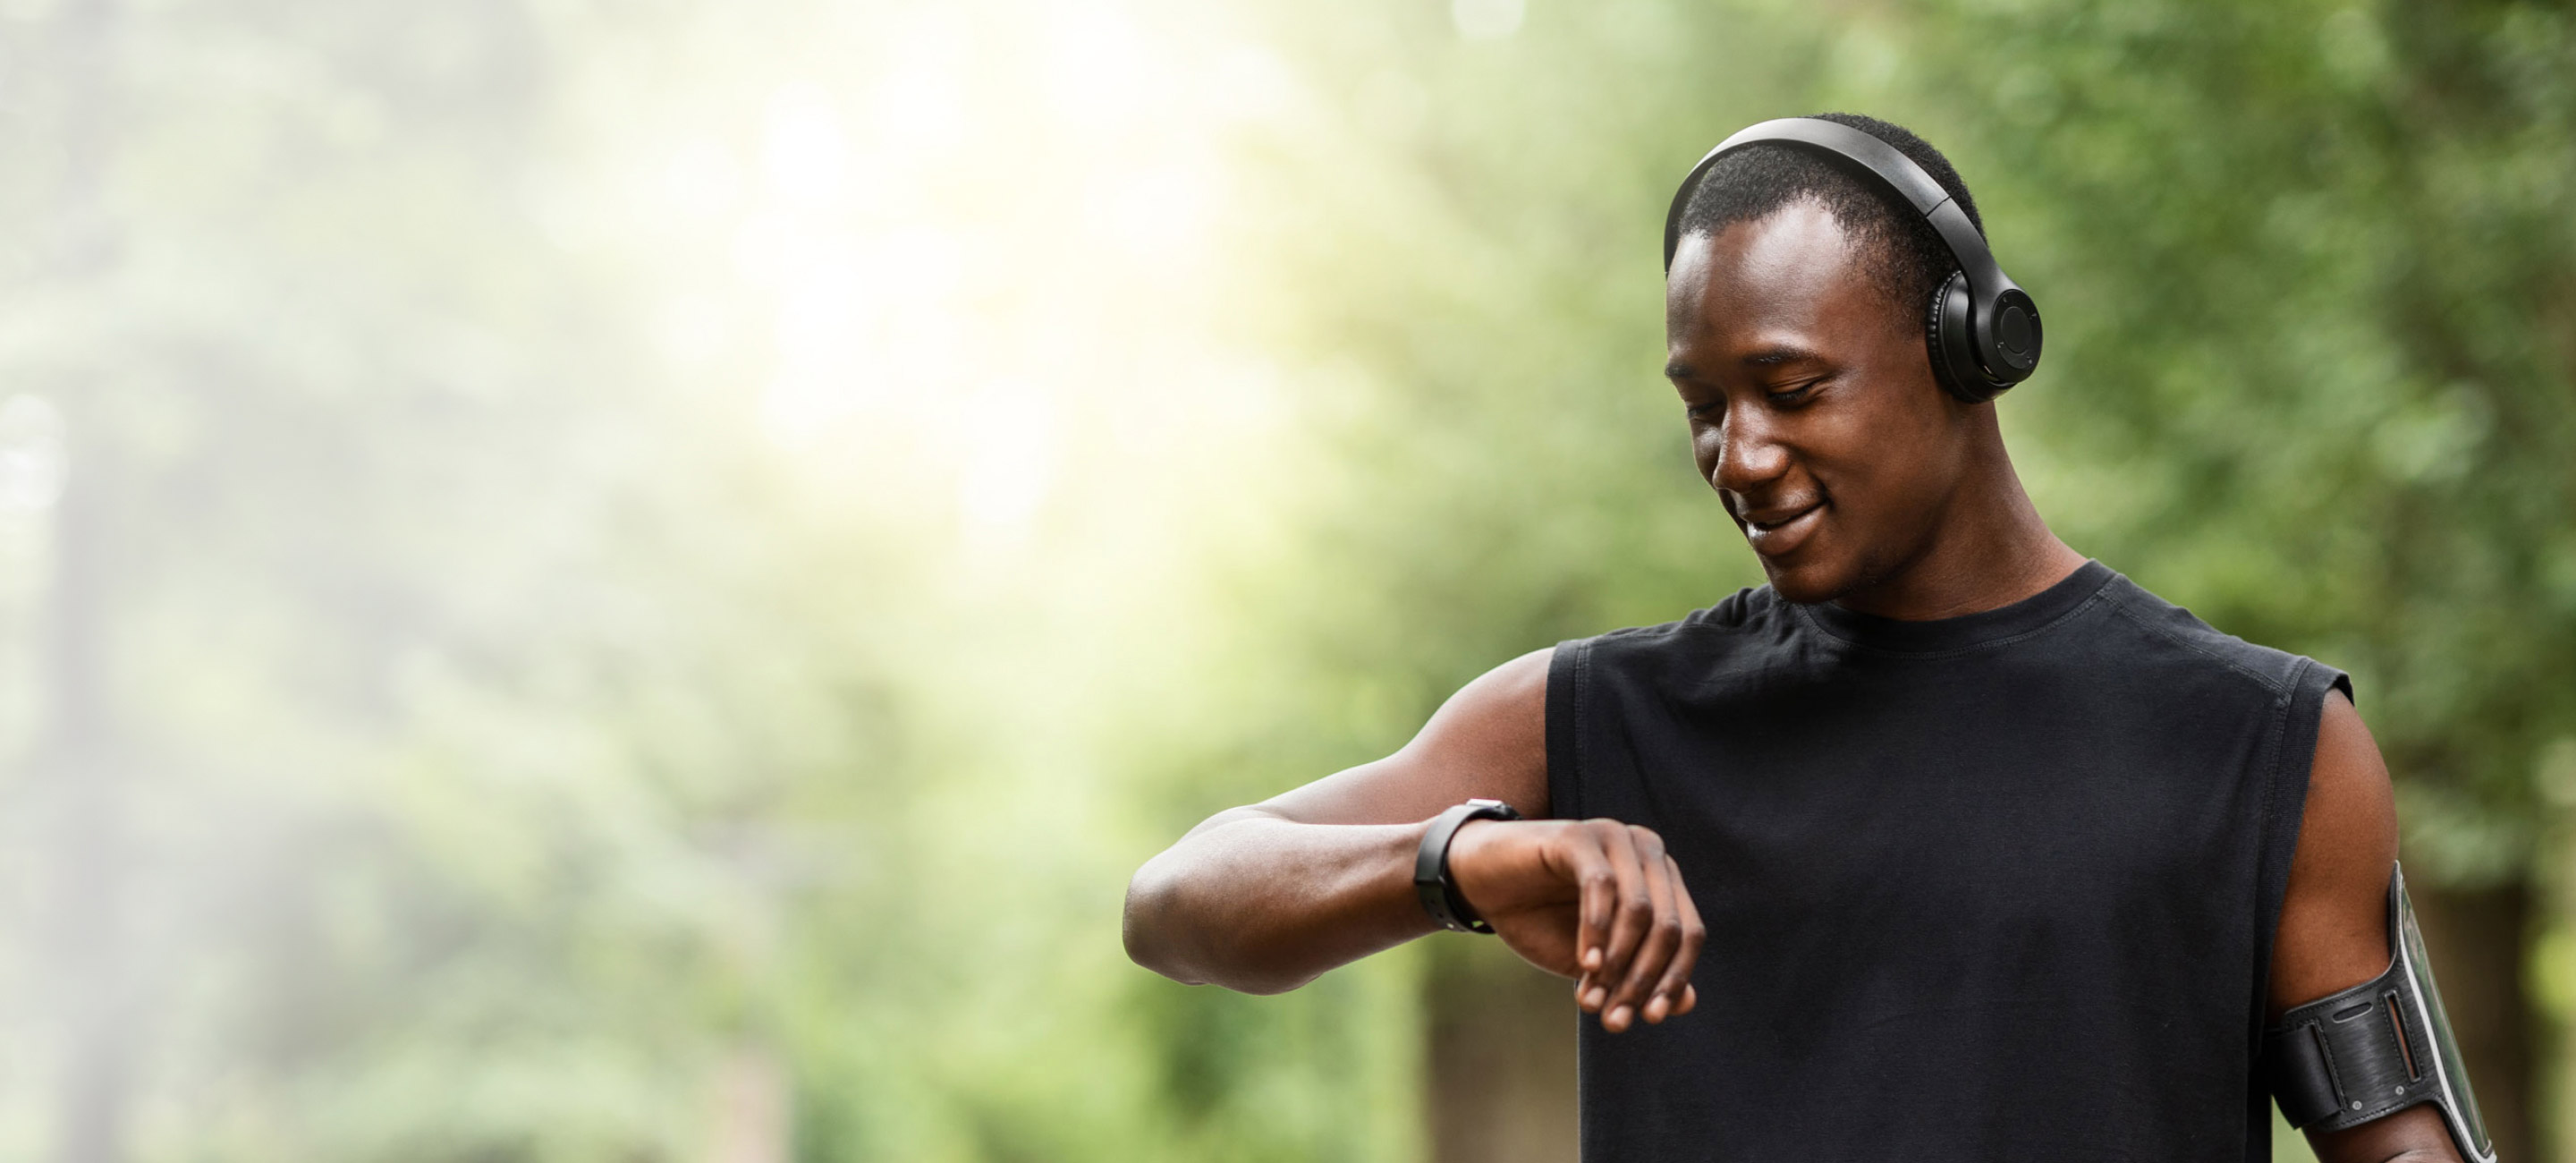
2013	328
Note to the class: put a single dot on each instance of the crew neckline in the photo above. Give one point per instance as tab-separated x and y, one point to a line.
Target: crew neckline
1985	627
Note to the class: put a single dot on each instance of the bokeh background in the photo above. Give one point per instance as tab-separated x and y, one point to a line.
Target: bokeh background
591	581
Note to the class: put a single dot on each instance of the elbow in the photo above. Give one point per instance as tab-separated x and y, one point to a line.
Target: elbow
1157	937
1267	985
1143	926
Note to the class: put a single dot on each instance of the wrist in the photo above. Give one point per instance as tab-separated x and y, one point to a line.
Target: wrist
1433	883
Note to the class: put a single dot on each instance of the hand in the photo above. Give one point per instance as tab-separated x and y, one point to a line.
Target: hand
1594	900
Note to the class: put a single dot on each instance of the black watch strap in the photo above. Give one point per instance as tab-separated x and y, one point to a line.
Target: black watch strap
1440	896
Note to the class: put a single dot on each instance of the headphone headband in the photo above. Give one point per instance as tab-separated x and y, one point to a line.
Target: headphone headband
1997	336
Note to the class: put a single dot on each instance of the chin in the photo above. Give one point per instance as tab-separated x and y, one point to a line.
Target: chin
1809	581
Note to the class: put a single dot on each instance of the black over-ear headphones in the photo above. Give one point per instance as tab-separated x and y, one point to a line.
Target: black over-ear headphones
1981	329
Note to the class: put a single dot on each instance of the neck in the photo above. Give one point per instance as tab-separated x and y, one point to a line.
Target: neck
1989	549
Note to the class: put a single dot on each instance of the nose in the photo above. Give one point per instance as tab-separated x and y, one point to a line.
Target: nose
1750	456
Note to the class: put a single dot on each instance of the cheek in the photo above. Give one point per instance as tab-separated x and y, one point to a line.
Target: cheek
1913	469
1883	458
1704	449
1846	451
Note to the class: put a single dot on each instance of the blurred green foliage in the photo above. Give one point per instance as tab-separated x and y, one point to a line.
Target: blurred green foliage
451	715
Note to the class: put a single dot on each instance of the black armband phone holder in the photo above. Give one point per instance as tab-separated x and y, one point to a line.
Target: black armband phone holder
2377	1048
1439	894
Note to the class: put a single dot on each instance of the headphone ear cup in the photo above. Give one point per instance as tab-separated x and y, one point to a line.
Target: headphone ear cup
1951	350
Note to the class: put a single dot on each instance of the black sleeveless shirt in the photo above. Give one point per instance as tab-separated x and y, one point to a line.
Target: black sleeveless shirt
1997	887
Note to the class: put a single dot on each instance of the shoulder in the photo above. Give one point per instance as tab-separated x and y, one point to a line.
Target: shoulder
1515	690
1500	713
1745	613
1497	721
1489	739
2153	630
2332	929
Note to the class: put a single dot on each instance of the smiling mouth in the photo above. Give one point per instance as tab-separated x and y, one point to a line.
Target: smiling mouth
1784	534
1781	520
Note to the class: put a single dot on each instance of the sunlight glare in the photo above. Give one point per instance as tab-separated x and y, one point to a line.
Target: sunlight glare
1487	19
803	152
1009	461
939	314
33	454
874	331
700	182
918	107
1159	212
1103	72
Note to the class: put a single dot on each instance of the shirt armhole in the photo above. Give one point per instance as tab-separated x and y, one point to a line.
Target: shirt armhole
1566	671
2285	800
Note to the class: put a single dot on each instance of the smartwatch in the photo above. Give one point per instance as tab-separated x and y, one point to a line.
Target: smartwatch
1440	896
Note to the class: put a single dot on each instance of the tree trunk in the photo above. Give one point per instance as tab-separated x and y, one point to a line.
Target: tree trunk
2477	939
83	932
79	761
1501	1058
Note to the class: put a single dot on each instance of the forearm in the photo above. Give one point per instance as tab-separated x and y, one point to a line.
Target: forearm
2413	1135
1260	904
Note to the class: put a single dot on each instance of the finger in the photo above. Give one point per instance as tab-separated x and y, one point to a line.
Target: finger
1590	992
1663	932
1630	905
1634	916
1599	888
1673	994
1690	999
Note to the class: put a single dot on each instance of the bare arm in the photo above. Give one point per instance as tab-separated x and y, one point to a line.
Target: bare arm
1268	897
2334	918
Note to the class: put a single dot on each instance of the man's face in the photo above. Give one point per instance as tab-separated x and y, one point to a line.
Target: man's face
1813	410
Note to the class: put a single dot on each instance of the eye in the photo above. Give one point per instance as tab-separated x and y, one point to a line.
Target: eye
1793	394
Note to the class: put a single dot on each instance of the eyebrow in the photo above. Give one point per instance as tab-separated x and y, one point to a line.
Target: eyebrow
1777	354
1772	356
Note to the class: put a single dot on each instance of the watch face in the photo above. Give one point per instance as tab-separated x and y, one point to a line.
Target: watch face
2461	1103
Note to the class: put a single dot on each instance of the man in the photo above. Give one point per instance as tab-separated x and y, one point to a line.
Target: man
1946	844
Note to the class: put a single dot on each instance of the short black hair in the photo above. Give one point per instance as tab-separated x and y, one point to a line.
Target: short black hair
1910	260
